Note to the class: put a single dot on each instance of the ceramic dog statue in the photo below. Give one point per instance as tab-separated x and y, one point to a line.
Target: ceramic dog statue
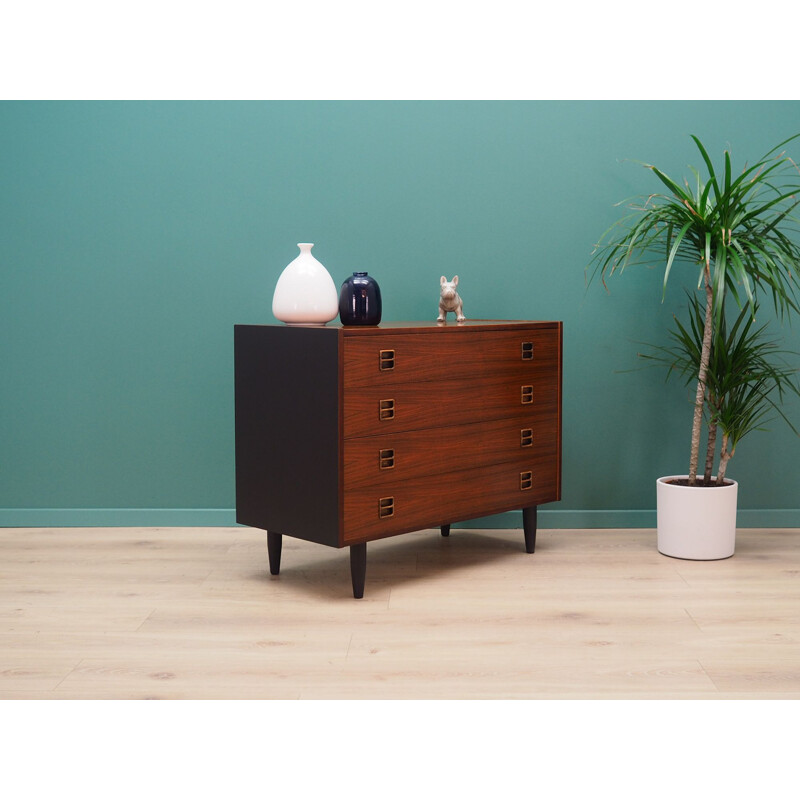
449	300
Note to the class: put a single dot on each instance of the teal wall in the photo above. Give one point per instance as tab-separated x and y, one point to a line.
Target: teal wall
134	235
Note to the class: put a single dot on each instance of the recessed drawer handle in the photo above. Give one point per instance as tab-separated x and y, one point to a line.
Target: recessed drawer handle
386	507
386	360
386	409
527	394
526	437
386	459
527	351
525	480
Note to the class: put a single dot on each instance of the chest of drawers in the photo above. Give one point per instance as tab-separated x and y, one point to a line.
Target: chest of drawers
348	434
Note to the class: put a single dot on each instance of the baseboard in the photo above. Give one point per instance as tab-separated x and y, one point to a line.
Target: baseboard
622	518
117	517
226	517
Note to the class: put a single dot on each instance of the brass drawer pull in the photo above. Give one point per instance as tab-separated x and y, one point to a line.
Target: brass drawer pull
386	459
386	360
527	394
386	409
527	351
525	480
386	507
526	437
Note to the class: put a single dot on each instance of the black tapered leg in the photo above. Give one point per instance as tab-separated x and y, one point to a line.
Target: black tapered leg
529	524
274	541
445	530
358	568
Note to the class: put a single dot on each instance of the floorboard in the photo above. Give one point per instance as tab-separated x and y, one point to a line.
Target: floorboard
193	613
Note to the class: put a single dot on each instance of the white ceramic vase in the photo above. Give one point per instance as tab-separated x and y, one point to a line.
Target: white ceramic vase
696	522
305	293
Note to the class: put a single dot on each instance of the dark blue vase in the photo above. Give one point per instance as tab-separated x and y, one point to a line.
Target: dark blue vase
360	300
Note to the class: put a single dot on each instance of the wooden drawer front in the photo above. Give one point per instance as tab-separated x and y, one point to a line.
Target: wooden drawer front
392	459
463	354
427	501
373	410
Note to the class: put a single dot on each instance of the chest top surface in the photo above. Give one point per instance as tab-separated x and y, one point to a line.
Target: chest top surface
443	327
419	326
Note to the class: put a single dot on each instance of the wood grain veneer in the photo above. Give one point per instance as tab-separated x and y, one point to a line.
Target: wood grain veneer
423	502
488	354
389	459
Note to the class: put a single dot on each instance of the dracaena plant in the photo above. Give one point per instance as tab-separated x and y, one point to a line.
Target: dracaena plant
735	234
747	379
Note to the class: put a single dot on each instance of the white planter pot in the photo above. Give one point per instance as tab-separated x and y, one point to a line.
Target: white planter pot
305	293
696	522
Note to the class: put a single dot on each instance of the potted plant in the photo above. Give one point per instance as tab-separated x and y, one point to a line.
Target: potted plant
746	369
734	234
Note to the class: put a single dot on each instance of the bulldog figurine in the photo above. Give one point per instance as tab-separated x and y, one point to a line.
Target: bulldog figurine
449	300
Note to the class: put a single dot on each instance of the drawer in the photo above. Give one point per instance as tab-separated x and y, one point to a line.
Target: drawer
390	459
452	354
377	410
426	502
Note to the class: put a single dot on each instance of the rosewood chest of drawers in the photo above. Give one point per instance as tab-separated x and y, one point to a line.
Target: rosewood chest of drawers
349	434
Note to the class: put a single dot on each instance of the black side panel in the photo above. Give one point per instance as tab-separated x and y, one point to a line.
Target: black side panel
287	429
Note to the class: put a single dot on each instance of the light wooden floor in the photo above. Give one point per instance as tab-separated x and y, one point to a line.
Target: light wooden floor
193	613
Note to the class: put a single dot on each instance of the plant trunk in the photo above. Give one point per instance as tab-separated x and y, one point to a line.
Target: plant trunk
712	446
724	458
699	400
